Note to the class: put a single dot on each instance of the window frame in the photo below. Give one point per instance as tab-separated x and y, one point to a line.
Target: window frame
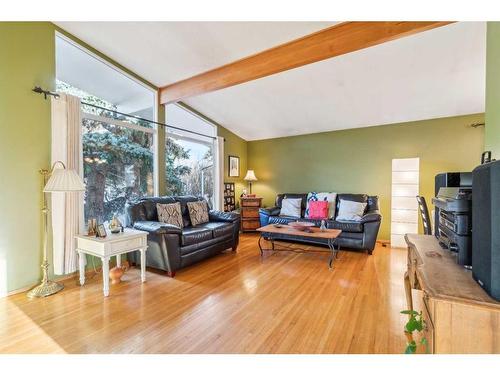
153	130
189	137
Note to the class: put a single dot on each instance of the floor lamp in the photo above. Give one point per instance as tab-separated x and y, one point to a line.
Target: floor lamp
56	180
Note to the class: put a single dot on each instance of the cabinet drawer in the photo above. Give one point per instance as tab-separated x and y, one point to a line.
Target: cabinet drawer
250	203
126	244
249	212
250	224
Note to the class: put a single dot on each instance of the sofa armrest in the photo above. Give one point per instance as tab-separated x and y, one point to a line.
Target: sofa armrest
371	216
155	227
228	217
270	211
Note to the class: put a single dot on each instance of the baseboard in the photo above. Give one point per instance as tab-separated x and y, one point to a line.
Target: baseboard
61	278
385	243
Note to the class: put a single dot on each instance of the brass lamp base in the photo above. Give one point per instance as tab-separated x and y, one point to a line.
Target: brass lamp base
45	289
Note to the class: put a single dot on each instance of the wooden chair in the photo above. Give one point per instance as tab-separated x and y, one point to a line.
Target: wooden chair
424	212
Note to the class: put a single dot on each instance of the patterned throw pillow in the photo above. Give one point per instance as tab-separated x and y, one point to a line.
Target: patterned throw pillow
198	212
170	213
318	210
329	197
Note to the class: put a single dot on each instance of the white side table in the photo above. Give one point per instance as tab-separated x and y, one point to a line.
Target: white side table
112	245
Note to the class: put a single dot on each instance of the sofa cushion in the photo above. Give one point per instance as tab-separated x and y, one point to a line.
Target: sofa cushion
318	210
362	198
192	235
345	226
331	198
170	213
280	197
291	207
288	219
372	203
183	199
350	211
220	229
281	219
201	246
198	212
149	205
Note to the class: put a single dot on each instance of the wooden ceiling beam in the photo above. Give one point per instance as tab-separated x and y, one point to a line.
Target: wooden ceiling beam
334	41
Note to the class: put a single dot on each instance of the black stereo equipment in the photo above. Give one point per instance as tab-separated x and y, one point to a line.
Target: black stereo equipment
454	222
486	227
449	179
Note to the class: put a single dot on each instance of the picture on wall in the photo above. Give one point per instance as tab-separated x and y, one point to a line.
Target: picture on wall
234	166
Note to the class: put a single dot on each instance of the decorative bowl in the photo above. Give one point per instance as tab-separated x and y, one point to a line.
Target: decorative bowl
301	225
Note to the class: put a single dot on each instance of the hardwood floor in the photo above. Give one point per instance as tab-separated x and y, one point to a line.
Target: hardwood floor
233	303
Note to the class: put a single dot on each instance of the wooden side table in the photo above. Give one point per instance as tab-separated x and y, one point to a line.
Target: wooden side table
112	245
249	210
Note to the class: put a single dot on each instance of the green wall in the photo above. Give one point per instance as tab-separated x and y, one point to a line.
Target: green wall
360	160
492	133
350	161
234	146
28	59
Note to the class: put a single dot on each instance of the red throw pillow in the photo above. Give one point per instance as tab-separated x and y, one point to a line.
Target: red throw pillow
318	210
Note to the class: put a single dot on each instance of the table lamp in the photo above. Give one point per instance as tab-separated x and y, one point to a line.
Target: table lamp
59	180
250	177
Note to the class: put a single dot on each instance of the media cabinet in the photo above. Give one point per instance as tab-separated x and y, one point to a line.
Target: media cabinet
460	317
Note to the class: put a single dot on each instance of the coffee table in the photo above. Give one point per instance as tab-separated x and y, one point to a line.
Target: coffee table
272	233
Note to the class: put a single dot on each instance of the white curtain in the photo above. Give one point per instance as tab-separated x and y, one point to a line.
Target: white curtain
67	209
219	173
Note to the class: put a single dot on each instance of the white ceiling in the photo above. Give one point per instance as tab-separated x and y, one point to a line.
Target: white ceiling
433	74
78	68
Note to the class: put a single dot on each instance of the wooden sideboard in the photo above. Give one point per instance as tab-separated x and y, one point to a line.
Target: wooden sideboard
249	210
460	317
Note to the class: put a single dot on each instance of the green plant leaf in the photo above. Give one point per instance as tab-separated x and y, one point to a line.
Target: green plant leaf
411	348
424	342
412	325
409	312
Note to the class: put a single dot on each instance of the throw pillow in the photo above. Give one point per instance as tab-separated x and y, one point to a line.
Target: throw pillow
198	212
291	207
170	213
350	210
331	198
318	210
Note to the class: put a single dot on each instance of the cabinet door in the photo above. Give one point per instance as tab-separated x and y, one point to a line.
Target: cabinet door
428	331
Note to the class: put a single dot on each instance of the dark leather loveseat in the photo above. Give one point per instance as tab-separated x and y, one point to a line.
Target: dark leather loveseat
170	247
355	234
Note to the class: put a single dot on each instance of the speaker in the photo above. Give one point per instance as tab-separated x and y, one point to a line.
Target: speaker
486	227
449	179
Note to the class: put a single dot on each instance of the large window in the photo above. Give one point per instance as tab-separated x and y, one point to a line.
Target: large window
118	151
118	166
190	165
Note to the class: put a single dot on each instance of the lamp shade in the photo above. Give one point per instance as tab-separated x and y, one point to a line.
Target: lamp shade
250	176
64	180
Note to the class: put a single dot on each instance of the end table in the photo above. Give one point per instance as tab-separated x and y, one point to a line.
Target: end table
109	246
